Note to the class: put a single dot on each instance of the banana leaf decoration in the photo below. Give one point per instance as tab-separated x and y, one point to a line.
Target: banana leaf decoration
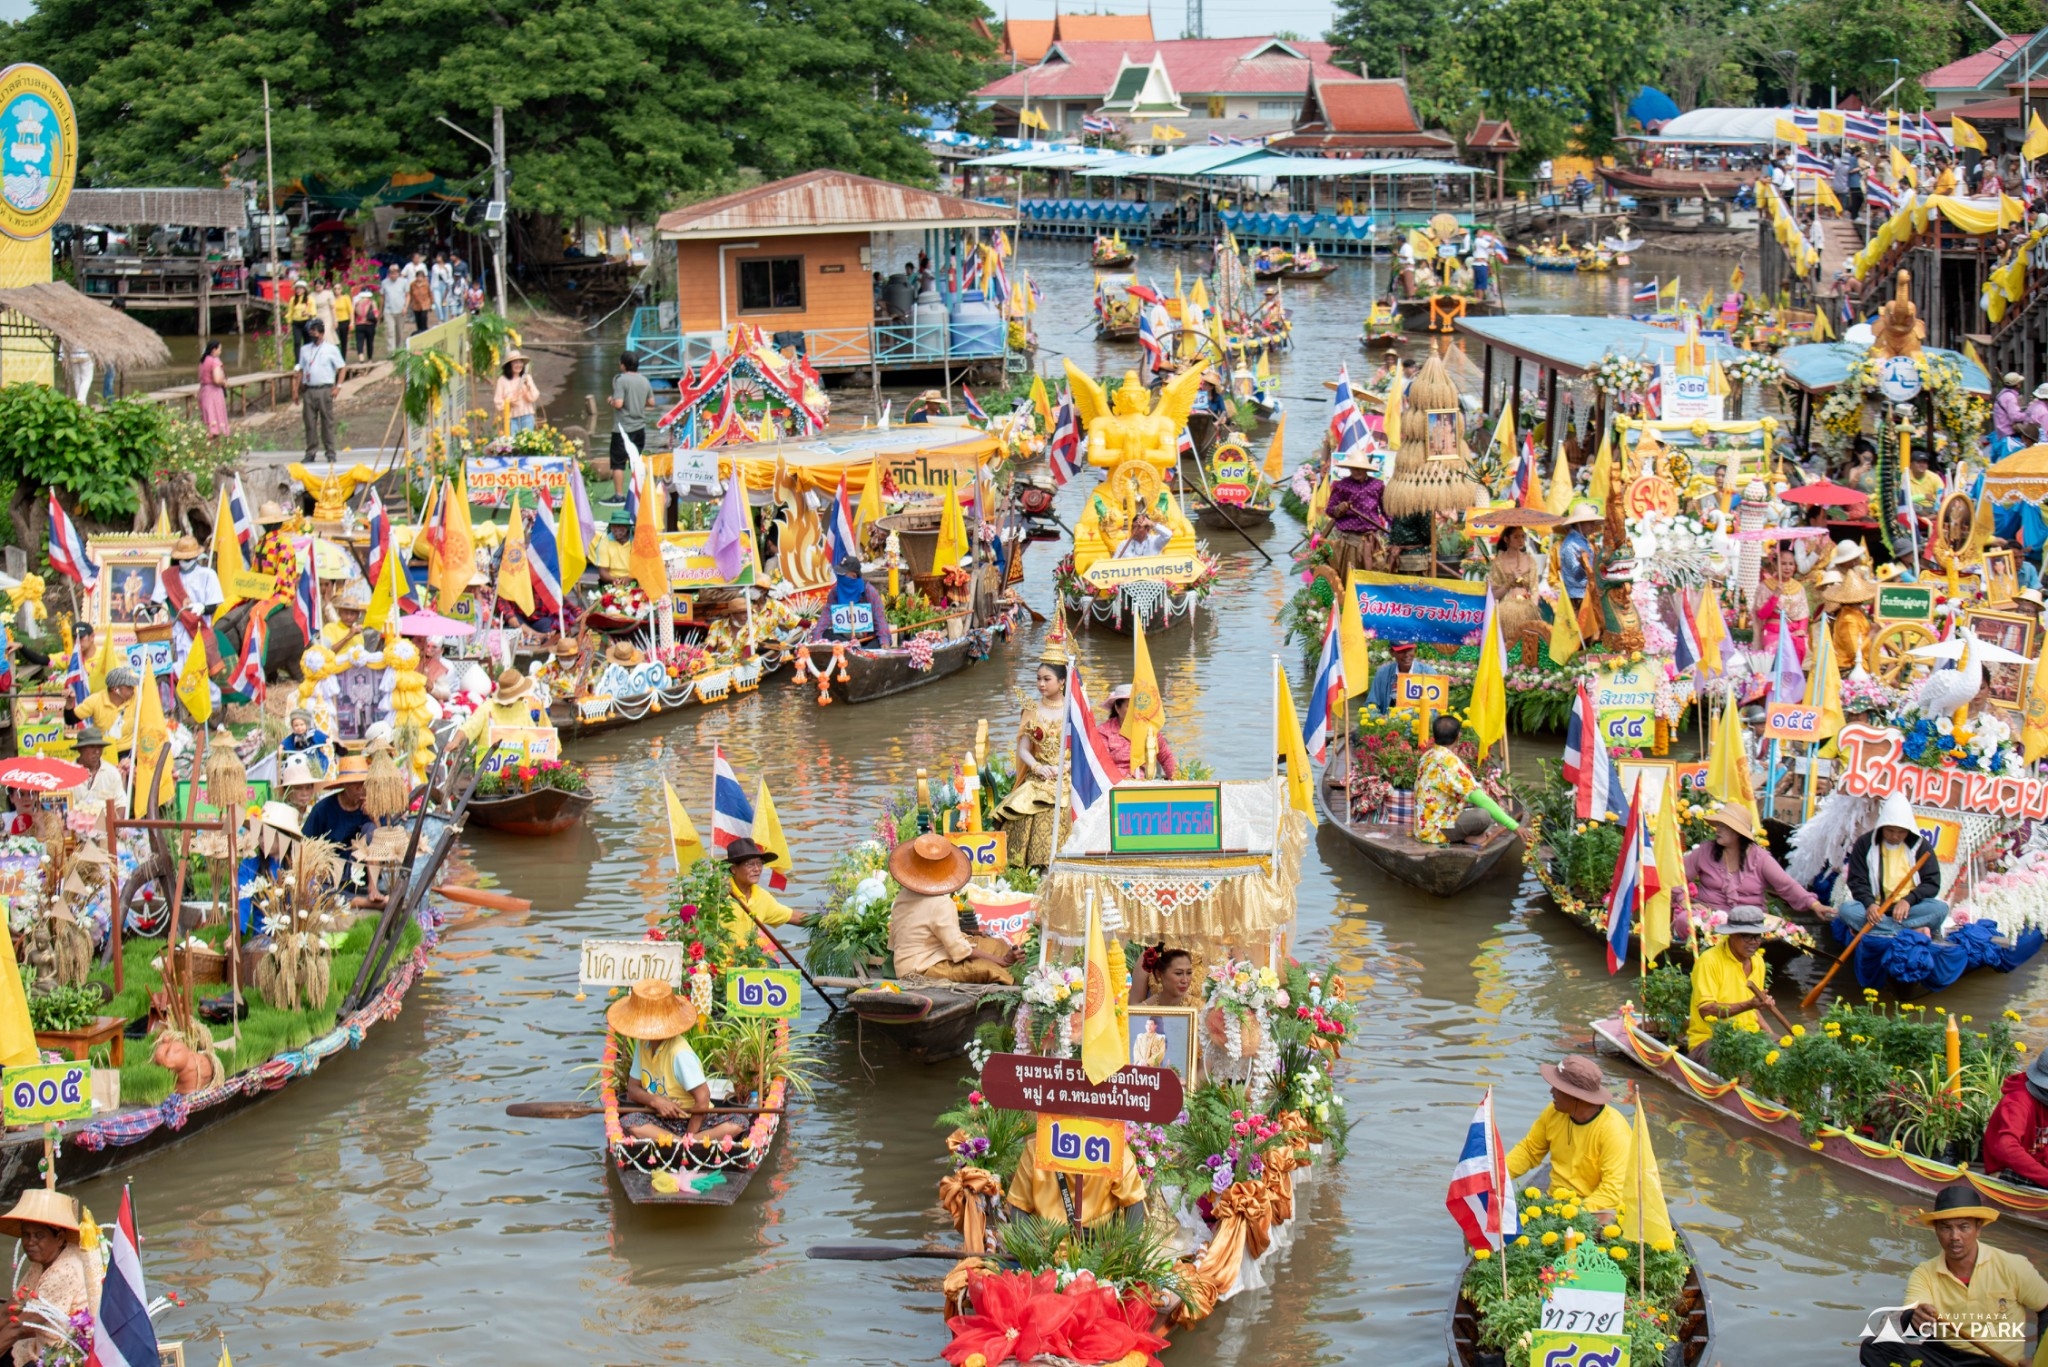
1889	488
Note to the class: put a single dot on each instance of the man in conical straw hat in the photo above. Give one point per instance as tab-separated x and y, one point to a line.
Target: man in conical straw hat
664	1078
58	1271
924	924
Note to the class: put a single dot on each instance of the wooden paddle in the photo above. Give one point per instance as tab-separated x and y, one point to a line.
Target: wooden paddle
880	1253
1912	876
1986	1349
576	1110
478	897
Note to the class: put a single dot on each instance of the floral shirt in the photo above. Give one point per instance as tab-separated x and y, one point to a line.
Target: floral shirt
1440	787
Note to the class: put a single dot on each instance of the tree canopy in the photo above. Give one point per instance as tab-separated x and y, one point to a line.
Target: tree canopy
612	107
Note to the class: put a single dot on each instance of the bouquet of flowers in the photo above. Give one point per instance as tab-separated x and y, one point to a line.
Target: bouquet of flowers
545	773
1051	1008
1753	368
685	661
1617	375
921	647
621	600
2014	899
1678	549
1862	693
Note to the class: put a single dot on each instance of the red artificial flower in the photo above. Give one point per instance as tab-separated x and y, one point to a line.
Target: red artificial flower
1016	1318
696	949
1105	1327
688	913
654	933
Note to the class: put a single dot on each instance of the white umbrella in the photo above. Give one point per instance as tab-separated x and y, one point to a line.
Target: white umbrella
1981	651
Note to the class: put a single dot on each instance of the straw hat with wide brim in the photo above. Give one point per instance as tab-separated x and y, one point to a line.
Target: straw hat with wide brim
186	547
1846	554
350	769
41	1206
622	653
1956	1201
651	1011
272	512
1735	819
1578	1077
512	686
1365	462
1582	511
297	772
1856	587
930	864
282	816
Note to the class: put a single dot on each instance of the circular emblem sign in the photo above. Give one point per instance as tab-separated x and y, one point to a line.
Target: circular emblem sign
1899	378
38	150
1650	494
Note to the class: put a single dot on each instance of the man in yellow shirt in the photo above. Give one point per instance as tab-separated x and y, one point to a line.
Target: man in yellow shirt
612	553
512	703
749	861
1728	981
1971	1288
1588	1143
108	708
1064	1195
349	606
1925	484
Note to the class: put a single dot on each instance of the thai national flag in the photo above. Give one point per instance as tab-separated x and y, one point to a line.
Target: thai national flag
732	816
1862	128
379	524
974	409
122	1335
1326	695
306	597
1686	652
1807	164
244	514
247	678
544	558
1348	431
1881	196
1095	123
845	541
67	548
1155	354
1645	294
1090	769
75	683
1482	1198
1588	767
1063	447
1634	882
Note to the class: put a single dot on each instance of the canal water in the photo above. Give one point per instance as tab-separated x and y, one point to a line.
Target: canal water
386	1211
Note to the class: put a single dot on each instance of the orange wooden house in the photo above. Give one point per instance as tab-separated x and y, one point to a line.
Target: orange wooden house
798	258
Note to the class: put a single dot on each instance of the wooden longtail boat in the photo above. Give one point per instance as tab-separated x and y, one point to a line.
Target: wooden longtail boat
931	1021
1671	183
1440	870
1621	1036
1693	1340
1319	271
541	811
1224	516
1476	306
704	1176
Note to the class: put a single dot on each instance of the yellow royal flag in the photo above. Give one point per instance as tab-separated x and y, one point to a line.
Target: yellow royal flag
870	509
1560	500
225	1360
1822	330
1644	1219
645	562
17	1035
1504	433
515	573
1565	640
1105	1047
1040	400
1712	629
1599	484
1163	133
228	563
1391	419
1670	858
1145	717
1487	713
768	835
1963	134
389	589
1352	650
2036	145
1274	467
1728	762
1784	130
1289	746
682	834
195	695
569	543
1829	123
1031	118
1669	289
953	546
1824	195
1319	501
152	735
458	547
1902	170
2034	729
1824	688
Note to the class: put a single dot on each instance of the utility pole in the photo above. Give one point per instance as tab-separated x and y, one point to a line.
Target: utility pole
270	229
498	193
1194	19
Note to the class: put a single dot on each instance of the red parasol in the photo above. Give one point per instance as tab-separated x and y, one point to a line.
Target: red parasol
1145	292
43	775
1826	494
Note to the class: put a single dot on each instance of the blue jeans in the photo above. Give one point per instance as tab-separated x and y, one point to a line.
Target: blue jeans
1927	915
523	423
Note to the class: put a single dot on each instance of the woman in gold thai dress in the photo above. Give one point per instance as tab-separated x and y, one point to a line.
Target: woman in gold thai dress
1029	812
1513	578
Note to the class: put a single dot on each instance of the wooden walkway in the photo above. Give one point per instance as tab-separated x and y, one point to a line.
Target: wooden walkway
276	384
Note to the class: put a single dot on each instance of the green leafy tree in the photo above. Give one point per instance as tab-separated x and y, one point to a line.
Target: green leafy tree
1389	37
1704	55
1851	47
1558	65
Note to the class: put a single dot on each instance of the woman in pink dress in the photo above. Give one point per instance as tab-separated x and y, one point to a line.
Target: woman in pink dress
1781	598
213	391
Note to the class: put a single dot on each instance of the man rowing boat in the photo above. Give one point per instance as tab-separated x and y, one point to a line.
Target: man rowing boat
1968	1305
1585	1138
1728	981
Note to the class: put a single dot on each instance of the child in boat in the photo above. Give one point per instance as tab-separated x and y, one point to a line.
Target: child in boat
665	1080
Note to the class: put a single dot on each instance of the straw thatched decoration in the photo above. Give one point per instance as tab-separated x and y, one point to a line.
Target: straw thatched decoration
56	314
1422	485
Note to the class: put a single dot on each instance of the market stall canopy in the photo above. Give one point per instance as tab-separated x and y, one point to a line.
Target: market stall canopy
55	310
1817	367
42	775
1826	494
1212	904
1572	344
2021	477
205	208
1724	125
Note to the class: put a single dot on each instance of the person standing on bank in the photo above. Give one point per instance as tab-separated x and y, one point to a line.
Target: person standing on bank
321	368
631	394
419	297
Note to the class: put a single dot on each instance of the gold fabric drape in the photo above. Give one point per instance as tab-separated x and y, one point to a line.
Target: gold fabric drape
962	1194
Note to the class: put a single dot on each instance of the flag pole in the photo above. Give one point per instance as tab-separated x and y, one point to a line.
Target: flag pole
1505	1194
1642	1233
1059	806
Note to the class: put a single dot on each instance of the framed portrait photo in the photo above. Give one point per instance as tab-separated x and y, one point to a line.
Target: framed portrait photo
2014	631
1952	524
2001	577
1166	1037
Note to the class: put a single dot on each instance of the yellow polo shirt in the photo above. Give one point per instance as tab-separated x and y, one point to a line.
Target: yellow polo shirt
1718	978
1039	1192
2002	1289
762	903
110	717
611	555
1591	1160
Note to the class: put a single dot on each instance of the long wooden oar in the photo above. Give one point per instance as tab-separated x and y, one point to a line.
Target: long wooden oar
881	1253
478	897
1963	1332
1912	877
831	1007
576	1110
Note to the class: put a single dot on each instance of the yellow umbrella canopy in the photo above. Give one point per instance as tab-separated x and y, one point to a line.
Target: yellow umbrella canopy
2021	477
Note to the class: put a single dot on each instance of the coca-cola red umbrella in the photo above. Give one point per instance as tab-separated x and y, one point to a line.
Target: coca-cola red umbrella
1827	495
42	774
1145	292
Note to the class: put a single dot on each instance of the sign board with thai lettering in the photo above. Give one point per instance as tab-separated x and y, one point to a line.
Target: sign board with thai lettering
1791	721
1422	690
1087	1148
518	746
1033	1082
1179	818
42	1093
763	992
1172	570
1904	603
988	852
621	963
1874	764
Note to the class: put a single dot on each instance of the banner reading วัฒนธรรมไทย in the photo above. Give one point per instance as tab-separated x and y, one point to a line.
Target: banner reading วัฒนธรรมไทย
1404	607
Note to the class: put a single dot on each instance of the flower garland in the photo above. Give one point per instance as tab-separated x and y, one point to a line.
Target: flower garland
1618	375
1058	991
2014	899
921	647
1242	992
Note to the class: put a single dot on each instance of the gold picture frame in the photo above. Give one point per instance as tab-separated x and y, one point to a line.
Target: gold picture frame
131	568
1167	1037
1952	523
1442	436
2006	684
2001	577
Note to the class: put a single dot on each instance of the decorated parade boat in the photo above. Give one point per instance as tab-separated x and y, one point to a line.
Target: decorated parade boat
1110	253
1116	308
1687	1330
1235	492
1442	870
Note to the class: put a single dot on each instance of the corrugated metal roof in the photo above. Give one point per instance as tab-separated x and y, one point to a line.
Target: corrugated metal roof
822	201
1196	66
213	207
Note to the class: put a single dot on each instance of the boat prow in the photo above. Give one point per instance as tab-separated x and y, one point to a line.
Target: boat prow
542	811
1440	870
1692	1334
929	1021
